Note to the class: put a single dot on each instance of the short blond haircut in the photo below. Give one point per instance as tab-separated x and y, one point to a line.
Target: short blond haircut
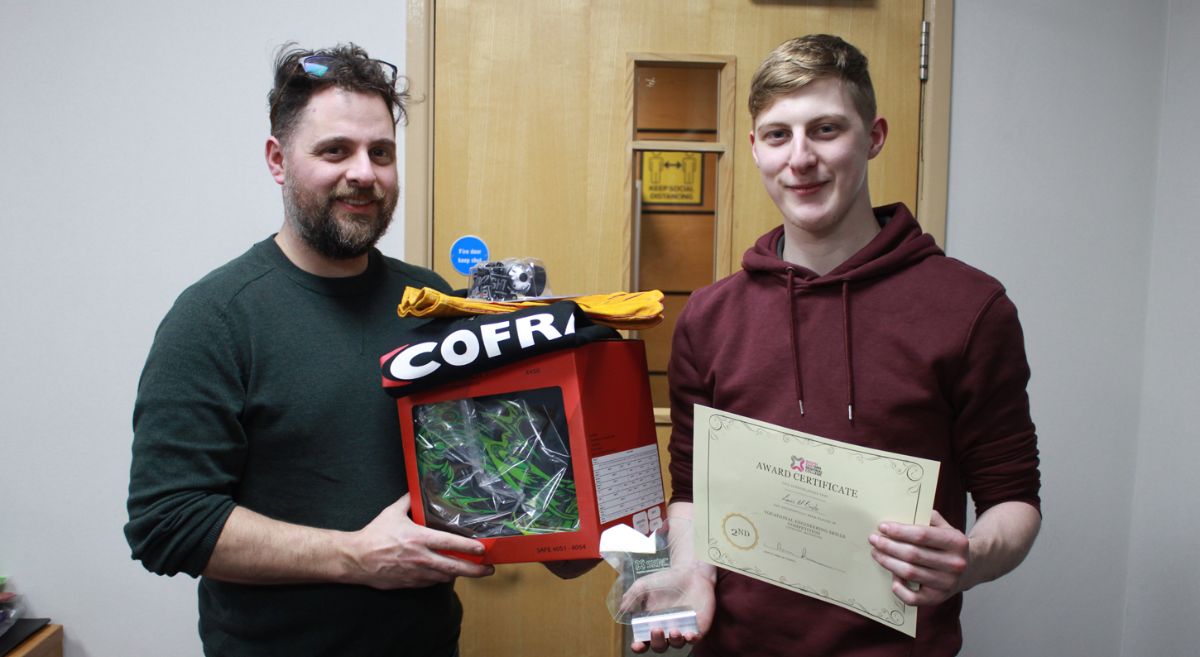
799	61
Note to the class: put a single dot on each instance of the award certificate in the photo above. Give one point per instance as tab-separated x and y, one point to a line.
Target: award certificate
795	510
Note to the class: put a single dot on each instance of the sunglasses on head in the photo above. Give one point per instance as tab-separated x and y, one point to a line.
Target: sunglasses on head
317	66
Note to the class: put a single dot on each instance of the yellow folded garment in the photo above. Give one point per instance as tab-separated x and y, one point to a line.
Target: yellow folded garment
620	310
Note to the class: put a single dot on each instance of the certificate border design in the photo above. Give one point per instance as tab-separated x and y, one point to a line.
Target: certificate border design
896	615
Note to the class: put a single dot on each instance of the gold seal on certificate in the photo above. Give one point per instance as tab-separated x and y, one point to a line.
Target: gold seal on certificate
795	510
740	532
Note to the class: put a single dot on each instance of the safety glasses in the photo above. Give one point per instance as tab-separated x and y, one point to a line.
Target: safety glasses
317	66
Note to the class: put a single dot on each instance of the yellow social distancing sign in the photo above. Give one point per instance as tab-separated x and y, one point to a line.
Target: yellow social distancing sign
672	177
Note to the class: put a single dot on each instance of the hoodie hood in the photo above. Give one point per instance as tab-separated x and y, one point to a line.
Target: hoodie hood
899	244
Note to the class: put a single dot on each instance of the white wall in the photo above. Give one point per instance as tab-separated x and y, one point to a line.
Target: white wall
130	164
1162	602
1054	152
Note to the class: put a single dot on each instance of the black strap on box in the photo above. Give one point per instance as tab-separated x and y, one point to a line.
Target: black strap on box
446	350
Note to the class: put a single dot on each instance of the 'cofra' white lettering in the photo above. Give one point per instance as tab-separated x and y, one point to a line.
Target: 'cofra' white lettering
470	351
462	347
403	368
527	326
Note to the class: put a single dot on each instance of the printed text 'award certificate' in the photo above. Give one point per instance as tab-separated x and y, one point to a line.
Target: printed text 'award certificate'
795	510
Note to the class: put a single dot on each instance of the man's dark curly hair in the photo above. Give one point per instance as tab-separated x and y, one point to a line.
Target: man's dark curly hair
353	70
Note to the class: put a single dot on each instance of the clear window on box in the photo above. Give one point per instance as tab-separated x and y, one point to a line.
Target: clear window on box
498	465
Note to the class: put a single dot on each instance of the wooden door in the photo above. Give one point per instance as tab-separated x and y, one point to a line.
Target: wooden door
530	149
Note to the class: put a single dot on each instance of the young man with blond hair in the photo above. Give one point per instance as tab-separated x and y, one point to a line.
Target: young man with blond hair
848	322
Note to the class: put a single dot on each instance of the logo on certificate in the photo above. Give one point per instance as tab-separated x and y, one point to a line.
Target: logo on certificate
740	531
801	464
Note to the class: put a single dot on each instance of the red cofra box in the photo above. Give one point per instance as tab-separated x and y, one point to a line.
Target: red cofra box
537	458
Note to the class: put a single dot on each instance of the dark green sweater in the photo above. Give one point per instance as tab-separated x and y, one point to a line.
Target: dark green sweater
262	389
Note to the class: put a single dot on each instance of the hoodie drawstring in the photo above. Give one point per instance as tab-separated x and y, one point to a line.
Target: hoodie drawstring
794	334
849	360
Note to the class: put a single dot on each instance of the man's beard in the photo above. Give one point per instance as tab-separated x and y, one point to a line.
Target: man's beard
312	216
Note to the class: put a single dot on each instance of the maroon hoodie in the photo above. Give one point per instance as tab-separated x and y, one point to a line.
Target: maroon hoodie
899	348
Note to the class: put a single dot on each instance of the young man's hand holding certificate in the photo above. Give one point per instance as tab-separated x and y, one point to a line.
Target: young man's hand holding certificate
795	510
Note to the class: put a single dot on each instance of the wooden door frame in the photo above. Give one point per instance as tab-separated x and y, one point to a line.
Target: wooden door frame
723	147
418	136
933	160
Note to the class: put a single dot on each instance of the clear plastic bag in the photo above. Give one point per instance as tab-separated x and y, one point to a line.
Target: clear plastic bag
650	591
510	279
497	466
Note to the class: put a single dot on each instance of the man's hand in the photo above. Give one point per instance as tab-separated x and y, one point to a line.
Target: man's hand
390	552
939	561
932	560
689	586
687	583
393	552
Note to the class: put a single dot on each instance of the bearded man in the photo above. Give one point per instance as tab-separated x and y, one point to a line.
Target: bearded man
266	456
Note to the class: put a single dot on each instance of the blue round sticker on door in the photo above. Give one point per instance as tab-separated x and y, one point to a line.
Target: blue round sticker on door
466	252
